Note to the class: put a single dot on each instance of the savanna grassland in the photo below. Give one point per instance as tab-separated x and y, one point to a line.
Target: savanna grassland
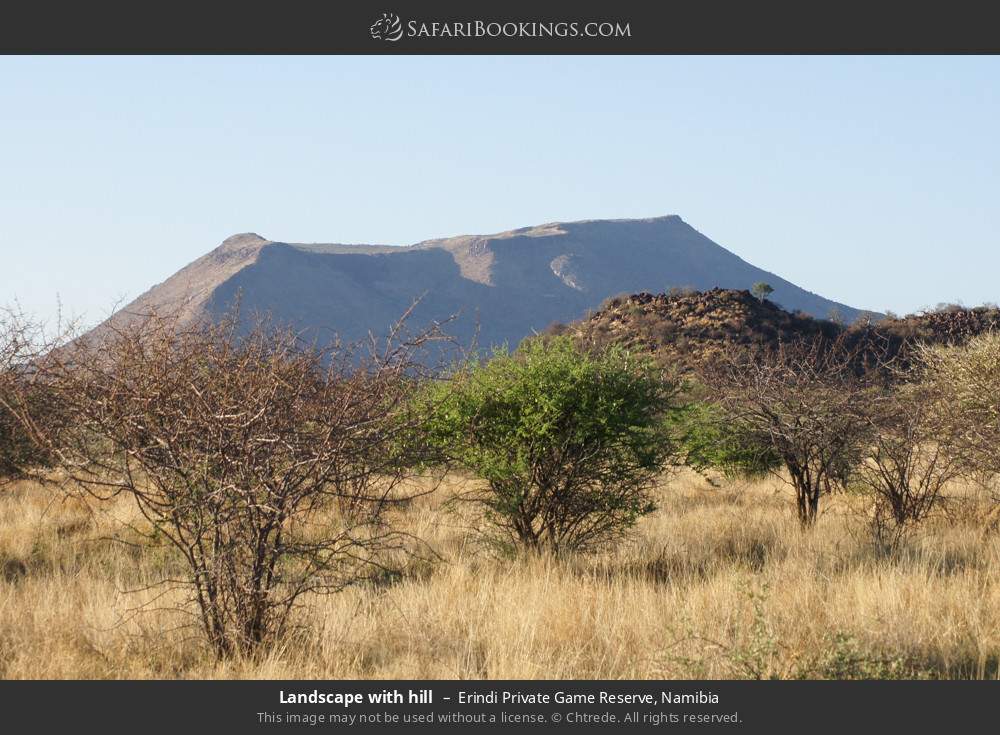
220	503
721	581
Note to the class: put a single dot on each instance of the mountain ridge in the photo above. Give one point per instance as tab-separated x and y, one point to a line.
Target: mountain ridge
505	285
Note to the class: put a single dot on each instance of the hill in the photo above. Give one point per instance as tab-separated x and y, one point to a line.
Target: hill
505	286
689	328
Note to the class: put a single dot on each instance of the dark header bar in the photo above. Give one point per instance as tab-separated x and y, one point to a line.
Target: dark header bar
437	27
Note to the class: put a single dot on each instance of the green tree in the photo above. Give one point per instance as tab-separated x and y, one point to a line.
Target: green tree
711	441
761	290
569	443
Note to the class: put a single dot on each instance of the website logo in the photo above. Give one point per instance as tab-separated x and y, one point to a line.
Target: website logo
387	28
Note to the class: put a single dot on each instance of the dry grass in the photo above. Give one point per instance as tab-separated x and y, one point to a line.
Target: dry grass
719	583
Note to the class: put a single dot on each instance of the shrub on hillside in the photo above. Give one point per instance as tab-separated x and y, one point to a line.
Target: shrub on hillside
569	443
614	301
761	290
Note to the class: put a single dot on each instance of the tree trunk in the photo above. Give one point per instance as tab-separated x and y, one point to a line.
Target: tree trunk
807	504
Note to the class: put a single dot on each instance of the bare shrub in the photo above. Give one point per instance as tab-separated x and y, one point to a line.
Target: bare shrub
911	458
806	402
966	381
614	301
679	291
556	328
21	341
231	443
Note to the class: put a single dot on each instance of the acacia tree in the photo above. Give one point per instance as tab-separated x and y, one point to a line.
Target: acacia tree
234	446
911	457
806	402
569	443
761	290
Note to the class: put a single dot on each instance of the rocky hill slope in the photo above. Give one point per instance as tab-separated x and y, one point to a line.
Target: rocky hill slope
686	329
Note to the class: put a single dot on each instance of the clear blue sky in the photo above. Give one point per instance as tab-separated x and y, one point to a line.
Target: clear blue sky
874	181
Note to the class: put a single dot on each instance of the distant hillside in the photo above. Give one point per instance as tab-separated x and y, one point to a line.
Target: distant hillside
687	329
505	286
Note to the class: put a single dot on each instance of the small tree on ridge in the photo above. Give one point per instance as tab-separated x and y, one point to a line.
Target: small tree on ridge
761	290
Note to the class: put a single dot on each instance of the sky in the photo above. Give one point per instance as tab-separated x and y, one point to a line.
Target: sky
873	181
